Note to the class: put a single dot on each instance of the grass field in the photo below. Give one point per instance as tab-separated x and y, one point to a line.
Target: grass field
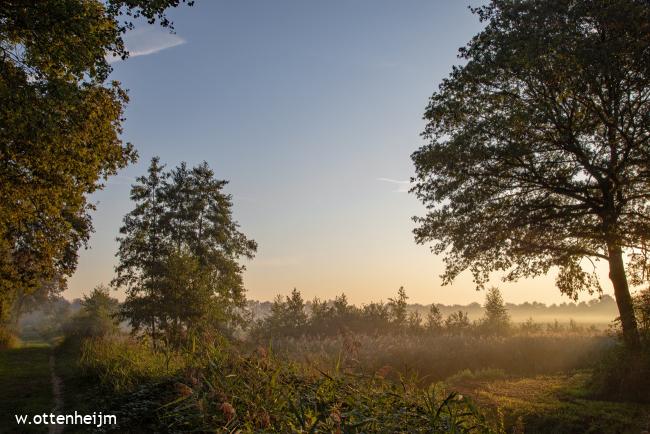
552	404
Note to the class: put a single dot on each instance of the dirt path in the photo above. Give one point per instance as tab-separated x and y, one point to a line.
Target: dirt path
57	393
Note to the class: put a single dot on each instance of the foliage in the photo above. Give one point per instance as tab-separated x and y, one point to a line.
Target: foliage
60	137
8	340
435	357
289	317
397	308
497	320
623	374
224	391
178	254
642	310
97	316
123	363
457	323
530	327
434	319
538	150
50	320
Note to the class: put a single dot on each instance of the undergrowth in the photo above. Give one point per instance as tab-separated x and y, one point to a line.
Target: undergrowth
217	389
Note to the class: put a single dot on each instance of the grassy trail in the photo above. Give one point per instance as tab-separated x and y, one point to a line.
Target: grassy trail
25	386
556	404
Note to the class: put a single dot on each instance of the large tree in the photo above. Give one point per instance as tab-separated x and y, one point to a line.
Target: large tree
538	153
178	254
60	125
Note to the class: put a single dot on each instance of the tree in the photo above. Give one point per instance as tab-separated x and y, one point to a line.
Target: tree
398	307
496	320
457	323
178	254
60	125
288	318
143	250
97	316
538	153
433	322
414	322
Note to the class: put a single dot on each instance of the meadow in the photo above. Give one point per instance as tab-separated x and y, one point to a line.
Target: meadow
489	375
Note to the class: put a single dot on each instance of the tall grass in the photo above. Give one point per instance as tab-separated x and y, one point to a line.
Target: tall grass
435	358
122	363
215	388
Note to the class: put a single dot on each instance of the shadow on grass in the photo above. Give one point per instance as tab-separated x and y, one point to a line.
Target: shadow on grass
25	386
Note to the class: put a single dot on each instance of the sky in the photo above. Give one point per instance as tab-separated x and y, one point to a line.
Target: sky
311	109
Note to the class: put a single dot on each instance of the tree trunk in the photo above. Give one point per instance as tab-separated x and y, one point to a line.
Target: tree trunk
623	297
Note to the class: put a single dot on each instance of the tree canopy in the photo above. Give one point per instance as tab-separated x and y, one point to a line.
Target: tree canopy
60	126
538	153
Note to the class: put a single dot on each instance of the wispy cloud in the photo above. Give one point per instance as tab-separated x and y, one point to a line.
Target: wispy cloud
402	186
150	40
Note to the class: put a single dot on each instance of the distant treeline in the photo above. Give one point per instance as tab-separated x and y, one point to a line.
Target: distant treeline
601	310
47	318
291	316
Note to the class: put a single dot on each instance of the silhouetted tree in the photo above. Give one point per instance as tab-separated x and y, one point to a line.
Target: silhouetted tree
496	320
397	307
433	322
457	323
540	147
414	322
287	318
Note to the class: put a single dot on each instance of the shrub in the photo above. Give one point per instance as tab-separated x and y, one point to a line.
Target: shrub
96	316
457	323
496	320
623	375
8	340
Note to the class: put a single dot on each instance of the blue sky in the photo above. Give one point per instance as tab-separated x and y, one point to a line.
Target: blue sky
311	109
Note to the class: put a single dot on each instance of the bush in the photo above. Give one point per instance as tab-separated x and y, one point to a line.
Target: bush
8	340
623	375
96	318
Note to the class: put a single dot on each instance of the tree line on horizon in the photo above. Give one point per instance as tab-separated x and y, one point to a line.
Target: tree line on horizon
48	318
99	314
